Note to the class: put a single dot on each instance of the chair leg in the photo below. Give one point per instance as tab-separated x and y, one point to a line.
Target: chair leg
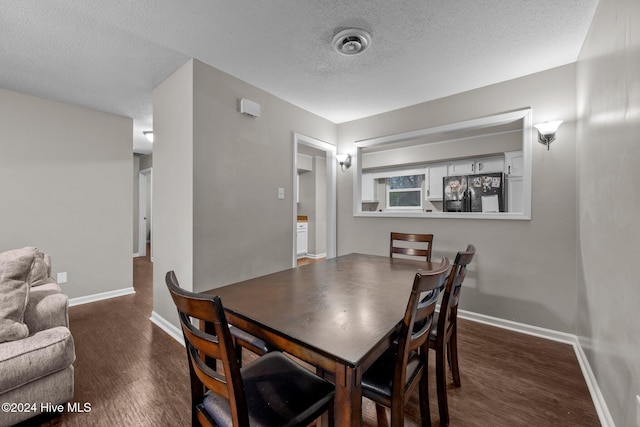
453	355
425	411
331	414
441	386
381	415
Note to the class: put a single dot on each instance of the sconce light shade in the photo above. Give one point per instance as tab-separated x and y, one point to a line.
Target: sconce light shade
547	132
344	160
149	135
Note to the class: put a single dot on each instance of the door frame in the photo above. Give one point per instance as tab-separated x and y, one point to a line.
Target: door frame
331	204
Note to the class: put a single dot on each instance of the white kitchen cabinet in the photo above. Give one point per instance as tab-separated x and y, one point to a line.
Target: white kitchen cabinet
369	188
490	164
461	167
302	238
476	166
515	193
514	163
435	173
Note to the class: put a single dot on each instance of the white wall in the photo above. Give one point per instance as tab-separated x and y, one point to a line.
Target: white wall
140	163
313	204
608	82
320	217
524	270
135	201
65	186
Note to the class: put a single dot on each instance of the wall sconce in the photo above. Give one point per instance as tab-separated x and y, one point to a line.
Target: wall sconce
547	132
344	160
149	135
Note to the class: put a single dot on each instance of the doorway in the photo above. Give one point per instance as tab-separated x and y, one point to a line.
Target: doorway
300	143
145	183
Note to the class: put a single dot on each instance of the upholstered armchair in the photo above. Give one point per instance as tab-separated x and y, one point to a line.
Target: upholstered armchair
36	346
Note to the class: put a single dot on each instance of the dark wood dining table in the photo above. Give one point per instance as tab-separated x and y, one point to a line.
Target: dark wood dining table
339	315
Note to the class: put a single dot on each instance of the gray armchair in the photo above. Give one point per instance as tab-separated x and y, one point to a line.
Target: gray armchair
36	368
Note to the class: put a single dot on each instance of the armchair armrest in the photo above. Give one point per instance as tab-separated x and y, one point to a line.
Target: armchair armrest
47	307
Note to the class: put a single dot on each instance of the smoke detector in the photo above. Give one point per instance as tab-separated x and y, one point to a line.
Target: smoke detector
351	41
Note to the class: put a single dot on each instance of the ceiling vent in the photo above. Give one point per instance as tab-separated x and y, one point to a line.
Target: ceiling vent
351	41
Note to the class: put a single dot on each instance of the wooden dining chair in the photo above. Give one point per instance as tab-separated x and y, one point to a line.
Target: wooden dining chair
393	377
273	390
410	245
444	336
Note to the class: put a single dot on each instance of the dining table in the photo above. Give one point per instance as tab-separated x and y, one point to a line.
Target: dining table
338	315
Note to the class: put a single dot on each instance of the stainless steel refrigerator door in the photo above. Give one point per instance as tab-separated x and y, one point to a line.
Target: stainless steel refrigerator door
454	191
487	193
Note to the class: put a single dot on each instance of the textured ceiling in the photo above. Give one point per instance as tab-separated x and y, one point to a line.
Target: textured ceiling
109	55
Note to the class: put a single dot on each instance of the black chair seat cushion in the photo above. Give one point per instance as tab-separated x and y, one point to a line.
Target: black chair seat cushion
378	379
279	392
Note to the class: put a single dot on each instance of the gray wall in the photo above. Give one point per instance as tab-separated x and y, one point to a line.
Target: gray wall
608	153
524	270
226	223
65	183
172	186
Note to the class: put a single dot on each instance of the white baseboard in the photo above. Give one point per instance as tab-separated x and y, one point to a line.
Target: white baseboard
98	297
598	399
137	254
596	395
519	327
173	331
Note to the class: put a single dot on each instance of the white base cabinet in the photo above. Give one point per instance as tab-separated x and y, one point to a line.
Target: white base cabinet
302	238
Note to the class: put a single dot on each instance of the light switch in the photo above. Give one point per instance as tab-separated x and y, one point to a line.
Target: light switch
62	277
280	193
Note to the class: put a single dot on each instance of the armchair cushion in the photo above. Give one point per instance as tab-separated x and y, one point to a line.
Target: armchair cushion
15	266
35	357
20	269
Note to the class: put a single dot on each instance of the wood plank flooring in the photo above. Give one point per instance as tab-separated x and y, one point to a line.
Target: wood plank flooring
134	374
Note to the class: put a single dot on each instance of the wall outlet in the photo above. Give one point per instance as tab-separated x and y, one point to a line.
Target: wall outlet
62	277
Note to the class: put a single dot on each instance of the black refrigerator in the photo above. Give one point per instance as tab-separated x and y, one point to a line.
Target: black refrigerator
474	193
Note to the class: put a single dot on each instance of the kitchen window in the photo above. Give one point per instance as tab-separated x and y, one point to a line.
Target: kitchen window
404	192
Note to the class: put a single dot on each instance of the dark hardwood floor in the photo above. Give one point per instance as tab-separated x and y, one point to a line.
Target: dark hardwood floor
134	374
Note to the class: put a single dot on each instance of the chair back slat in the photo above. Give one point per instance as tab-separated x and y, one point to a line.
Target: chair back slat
418	312
410	247
426	305
206	344
209	378
451	297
